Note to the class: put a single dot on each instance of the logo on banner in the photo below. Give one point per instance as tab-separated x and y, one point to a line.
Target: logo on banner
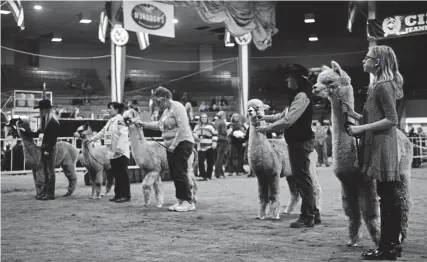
392	25
244	39
119	36
148	16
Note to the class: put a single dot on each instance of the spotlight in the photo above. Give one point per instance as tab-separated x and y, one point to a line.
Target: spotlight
4	12
313	38
175	21
38	7
309	18
56	38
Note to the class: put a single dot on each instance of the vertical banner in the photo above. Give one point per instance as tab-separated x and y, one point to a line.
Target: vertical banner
149	17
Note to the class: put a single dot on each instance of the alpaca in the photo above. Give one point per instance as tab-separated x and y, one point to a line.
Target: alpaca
94	159
269	160
359	197
151	158
65	156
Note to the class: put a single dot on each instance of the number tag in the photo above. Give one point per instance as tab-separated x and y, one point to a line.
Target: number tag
40	140
107	138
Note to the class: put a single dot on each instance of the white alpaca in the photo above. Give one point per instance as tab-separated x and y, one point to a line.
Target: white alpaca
95	159
269	160
359	196
151	158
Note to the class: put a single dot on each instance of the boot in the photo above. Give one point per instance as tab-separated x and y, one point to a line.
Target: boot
386	252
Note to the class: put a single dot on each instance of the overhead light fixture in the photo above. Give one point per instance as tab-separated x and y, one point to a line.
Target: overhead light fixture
4	12
56	38
309	18
175	21
38	7
313	38
84	18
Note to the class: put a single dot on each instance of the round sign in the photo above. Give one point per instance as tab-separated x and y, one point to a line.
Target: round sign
119	36
392	25
148	16
243	39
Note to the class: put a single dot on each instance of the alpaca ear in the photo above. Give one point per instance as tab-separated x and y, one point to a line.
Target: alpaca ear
336	67
325	67
265	107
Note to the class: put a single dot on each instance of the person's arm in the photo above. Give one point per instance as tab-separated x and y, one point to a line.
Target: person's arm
123	137
273	118
298	106
385	96
180	115
214	137
151	125
101	133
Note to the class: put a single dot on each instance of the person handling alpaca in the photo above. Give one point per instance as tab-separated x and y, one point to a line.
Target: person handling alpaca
378	127
300	138
47	134
115	134
179	141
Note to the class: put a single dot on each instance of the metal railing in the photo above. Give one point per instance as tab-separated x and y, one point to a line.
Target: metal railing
15	167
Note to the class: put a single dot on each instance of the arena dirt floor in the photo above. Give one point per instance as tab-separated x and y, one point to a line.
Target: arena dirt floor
223	228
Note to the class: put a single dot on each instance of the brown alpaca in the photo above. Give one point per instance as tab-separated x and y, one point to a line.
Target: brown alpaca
65	156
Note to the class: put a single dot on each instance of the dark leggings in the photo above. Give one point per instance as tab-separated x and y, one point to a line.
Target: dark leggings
178	169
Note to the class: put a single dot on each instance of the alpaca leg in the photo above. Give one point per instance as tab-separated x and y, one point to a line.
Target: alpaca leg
274	197
294	195
39	180
92	195
69	170
350	202
158	191
313	174
263	196
405	205
147	184
191	176
370	209
110	181
98	184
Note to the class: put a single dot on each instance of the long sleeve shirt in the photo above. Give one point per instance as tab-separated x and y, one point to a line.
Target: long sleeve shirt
208	136
287	118
117	128
221	128
175	126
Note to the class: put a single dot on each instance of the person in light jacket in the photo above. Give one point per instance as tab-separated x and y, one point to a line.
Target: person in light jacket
115	135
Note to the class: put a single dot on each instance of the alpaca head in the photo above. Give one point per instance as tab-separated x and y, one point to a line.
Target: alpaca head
23	124
333	83
83	131
130	116
256	108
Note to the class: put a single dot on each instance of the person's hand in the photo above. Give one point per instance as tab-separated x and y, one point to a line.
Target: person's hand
262	129
347	108
355	130
170	149
244	145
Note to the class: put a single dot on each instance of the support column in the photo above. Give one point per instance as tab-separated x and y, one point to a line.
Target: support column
118	60
243	90
372	6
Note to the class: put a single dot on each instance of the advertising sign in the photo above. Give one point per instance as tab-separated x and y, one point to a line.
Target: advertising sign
397	26
149	17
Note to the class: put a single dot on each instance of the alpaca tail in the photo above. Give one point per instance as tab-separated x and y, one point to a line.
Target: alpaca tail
196	159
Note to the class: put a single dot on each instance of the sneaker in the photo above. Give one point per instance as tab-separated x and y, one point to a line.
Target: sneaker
174	206
301	222
185	206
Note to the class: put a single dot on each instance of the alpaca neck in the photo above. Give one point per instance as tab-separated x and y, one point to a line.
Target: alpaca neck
31	152
257	139
141	151
338	117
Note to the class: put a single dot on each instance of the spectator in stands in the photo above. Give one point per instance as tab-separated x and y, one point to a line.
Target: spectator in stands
76	114
87	90
236	137
421	132
189	109
179	142
214	105
222	143
203	107
223	102
176	96
207	136
115	134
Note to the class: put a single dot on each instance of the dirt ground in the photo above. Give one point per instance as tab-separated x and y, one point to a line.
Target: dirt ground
222	229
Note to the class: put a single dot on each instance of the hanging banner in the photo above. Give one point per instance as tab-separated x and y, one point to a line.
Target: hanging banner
149	17
397	26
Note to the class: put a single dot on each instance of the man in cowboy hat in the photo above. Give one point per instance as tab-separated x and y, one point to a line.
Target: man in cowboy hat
300	138
48	134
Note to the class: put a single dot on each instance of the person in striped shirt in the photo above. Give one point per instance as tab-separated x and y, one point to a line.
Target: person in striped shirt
207	137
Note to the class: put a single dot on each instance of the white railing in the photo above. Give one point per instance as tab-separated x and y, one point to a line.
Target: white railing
420	148
12	142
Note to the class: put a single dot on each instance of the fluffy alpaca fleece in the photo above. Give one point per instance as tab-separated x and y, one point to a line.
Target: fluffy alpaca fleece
95	159
65	156
151	158
269	160
359	196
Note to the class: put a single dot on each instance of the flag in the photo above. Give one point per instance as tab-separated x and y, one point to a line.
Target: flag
143	40
352	9
103	25
15	7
